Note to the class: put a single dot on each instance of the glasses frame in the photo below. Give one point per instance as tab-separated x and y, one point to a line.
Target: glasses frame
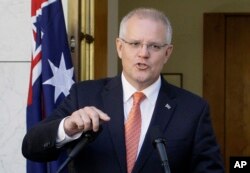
152	47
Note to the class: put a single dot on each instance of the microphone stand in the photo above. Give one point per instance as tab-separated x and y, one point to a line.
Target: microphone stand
88	137
160	145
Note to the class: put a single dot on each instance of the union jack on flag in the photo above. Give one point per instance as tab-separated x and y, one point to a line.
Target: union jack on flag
52	72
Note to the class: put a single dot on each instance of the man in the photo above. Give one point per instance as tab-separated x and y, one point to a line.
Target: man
144	46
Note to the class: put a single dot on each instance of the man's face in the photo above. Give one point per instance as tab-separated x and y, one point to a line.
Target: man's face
143	51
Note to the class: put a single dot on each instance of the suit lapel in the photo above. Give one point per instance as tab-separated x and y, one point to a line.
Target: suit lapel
163	112
113	105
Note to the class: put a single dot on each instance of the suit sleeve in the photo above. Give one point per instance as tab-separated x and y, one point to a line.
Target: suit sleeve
206	152
39	143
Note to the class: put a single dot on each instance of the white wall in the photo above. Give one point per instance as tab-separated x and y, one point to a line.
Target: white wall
15	54
15	34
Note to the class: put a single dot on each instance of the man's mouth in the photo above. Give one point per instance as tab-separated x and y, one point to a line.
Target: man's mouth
141	66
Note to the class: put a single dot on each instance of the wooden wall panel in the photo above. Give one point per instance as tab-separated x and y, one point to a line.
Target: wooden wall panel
226	82
213	72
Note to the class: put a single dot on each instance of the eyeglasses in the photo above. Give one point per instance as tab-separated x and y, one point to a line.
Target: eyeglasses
152	47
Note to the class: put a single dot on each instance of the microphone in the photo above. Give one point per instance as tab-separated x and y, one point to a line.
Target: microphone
159	142
88	137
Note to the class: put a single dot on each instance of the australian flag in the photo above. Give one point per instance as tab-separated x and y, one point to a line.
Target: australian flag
51	74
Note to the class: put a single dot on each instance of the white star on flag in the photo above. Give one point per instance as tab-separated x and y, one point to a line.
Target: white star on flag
61	79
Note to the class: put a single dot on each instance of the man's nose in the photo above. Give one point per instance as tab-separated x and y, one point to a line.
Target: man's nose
143	51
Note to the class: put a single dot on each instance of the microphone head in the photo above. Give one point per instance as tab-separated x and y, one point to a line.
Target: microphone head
157	136
91	135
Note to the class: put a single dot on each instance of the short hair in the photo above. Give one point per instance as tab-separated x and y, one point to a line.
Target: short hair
147	13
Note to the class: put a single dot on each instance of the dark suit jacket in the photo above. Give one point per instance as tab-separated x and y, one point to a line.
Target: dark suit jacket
191	144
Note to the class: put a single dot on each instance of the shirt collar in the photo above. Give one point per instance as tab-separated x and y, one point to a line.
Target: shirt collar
150	92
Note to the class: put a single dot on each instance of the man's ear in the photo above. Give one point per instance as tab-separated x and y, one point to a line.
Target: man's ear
168	52
119	47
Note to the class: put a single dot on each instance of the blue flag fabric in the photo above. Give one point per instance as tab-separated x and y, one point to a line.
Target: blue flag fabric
51	74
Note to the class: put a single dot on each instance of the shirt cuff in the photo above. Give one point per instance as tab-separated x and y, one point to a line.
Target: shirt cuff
62	138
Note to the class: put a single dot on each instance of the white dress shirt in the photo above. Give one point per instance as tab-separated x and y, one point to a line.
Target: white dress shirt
147	108
147	105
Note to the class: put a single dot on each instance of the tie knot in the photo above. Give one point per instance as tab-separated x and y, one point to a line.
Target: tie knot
138	97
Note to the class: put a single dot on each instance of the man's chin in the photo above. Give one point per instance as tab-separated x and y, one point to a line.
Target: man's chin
142	79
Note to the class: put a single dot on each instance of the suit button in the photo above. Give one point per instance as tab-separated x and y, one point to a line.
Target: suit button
46	145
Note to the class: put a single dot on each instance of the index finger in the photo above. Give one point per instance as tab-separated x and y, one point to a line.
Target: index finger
103	116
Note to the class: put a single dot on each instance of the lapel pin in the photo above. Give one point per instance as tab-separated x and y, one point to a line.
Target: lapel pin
168	106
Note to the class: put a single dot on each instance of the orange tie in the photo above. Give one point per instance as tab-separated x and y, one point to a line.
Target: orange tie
133	130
